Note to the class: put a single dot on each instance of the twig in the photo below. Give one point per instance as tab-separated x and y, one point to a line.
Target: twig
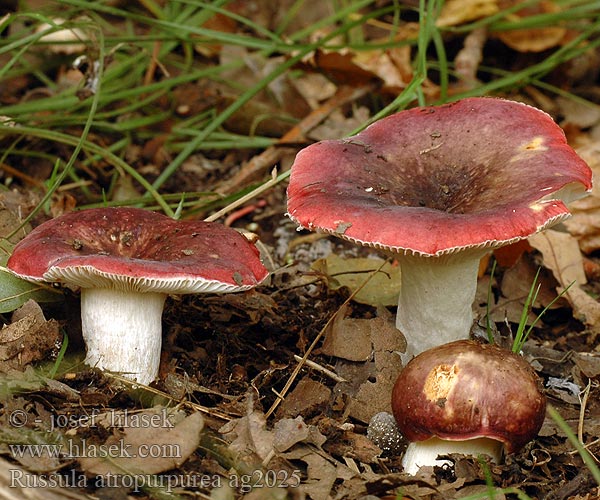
582	407
24	177
316	366
252	194
194	406
151	69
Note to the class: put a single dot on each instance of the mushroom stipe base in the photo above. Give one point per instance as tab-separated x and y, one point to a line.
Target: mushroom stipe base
425	453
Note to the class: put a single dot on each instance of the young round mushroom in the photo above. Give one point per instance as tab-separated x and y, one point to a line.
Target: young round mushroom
126	261
439	187
383	432
469	398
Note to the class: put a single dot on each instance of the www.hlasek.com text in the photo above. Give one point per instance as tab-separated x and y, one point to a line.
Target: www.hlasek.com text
73	449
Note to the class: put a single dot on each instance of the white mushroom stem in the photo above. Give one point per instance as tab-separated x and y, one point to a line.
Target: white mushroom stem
122	331
425	453
436	298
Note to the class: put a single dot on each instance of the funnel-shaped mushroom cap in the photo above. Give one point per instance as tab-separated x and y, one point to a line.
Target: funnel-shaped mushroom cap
480	172
137	250
465	390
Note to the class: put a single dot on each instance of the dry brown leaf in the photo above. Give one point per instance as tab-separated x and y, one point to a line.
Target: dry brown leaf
588	363
392	66
517	281
250	441
265	493
508	255
562	256
62	203
308	397
315	88
340	66
349	338
356	446
338	125
29	338
321	476
533	39
253	446
585	221
373	397
515	286
9	221
322	472
151	442
577	113
455	12
288	432
369	386
217	22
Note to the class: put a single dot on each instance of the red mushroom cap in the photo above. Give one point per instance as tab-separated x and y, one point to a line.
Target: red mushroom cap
480	172
135	249
465	390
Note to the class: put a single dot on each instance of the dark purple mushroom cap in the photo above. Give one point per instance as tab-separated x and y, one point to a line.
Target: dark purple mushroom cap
138	250
465	390
480	172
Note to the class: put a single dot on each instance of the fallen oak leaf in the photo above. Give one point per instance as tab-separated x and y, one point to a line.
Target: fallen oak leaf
382	289
249	439
562	256
29	338
348	338
372	396
584	223
456	12
535	39
322	471
145	448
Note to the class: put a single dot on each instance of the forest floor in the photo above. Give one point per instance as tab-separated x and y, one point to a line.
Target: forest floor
189	108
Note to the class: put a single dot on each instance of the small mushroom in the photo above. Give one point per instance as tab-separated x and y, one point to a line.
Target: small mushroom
468	398
126	261
383	432
438	187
